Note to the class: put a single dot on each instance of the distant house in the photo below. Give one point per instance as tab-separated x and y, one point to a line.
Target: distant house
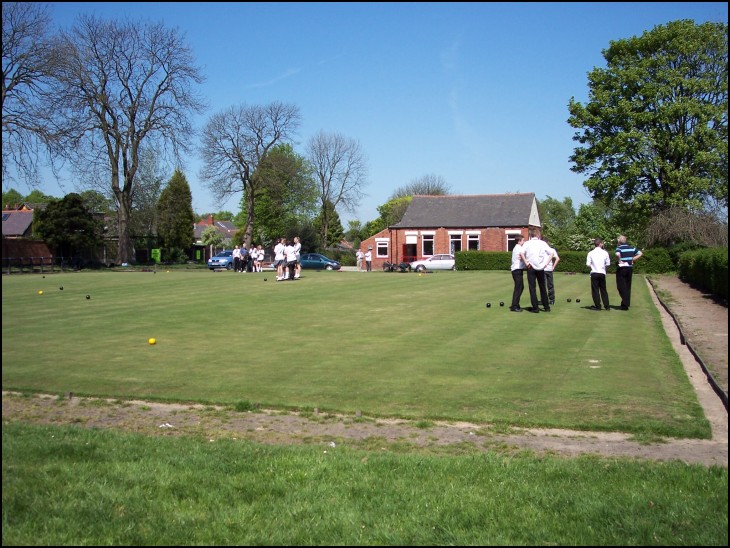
446	224
17	223
202	252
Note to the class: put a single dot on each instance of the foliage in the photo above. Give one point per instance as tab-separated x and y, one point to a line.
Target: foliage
122	86
38	197
706	268
212	237
96	202
12	198
340	169
354	233
175	216
558	220
427	185
593	221
149	182
67	226
653	134
328	226
235	143
287	195
678	225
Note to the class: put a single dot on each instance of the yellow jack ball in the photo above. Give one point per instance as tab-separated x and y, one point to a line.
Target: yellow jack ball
152	341
40	292
420	275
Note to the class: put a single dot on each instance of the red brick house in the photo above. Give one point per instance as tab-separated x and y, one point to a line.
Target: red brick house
446	224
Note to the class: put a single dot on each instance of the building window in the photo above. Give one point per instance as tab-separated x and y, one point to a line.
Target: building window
427	245
473	242
381	249
512	240
455	243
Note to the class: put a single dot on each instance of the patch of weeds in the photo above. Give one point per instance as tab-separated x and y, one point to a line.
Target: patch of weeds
647	438
423	424
243	406
497	429
145	408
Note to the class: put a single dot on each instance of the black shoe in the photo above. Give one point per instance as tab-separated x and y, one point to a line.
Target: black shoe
546	309
595	308
515	310
608	309
533	310
624	307
552	303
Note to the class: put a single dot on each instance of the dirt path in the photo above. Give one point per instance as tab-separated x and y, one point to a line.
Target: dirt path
706	330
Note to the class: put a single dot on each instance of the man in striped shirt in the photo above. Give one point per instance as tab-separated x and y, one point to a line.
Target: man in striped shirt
626	255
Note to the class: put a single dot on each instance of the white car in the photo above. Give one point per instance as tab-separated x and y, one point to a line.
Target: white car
435	262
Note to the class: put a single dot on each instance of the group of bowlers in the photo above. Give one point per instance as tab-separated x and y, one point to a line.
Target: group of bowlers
248	261
539	260
287	259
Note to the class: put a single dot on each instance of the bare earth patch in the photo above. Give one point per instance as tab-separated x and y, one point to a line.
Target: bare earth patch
703	322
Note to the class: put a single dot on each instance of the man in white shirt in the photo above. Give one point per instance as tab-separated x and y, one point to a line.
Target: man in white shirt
537	256
518	268
598	261
549	269
369	259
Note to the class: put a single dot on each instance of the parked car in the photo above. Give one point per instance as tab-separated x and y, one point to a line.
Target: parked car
318	262
223	259
435	262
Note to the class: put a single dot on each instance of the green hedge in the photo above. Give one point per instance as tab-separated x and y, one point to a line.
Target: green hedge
706	269
654	261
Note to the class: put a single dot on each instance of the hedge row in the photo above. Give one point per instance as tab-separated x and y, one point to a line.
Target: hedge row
654	261
706	269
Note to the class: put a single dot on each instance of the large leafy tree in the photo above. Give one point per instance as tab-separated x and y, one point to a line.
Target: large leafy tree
558	220
287	194
124	86
653	133
235	142
175	216
68	226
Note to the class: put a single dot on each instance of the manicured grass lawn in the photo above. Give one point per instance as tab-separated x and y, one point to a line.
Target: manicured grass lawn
78	486
385	344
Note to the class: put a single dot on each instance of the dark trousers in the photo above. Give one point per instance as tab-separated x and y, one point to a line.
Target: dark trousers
550	286
598	290
518	278
236	264
623	284
539	277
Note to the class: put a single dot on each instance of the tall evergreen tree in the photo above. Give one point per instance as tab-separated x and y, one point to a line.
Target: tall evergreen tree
175	217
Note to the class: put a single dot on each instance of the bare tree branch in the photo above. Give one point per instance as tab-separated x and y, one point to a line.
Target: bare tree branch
124	85
341	171
233	145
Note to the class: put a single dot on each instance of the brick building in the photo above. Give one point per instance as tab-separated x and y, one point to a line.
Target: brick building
446	224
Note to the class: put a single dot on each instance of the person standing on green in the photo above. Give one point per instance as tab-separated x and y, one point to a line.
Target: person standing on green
626	255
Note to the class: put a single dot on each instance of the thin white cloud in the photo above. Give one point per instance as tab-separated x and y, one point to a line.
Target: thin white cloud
287	74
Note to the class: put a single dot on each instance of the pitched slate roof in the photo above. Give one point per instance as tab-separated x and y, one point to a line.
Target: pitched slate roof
17	223
226	228
468	211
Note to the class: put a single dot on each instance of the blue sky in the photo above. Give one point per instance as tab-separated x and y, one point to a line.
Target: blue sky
476	93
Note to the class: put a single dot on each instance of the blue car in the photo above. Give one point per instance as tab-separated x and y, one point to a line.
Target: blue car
224	259
318	262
